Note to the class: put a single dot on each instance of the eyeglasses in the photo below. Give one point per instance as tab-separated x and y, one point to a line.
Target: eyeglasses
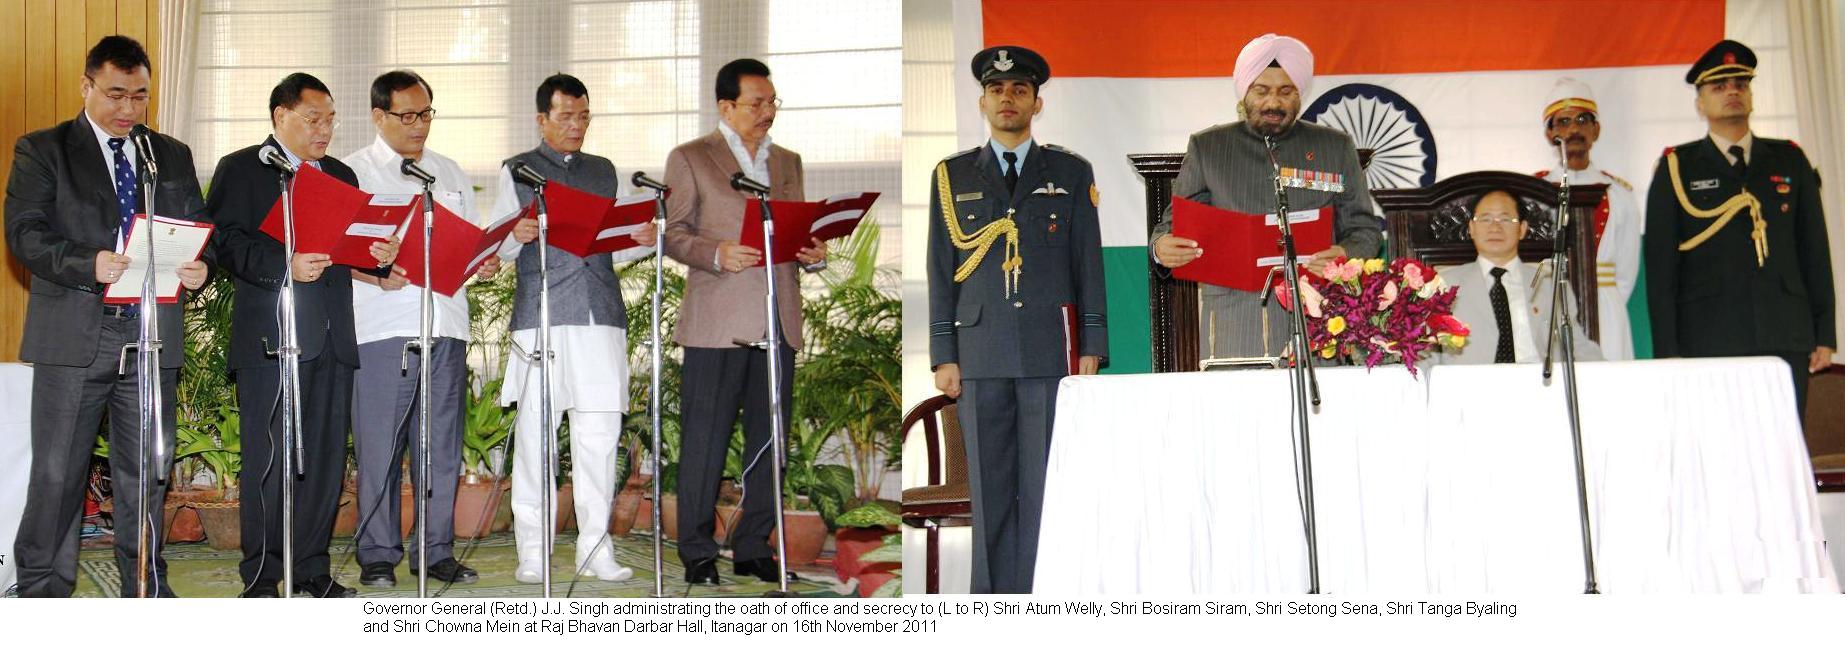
570	119
328	122
1559	123
428	115
757	105
1497	219
118	97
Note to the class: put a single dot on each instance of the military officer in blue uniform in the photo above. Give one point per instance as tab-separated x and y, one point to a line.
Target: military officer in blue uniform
1736	253
1015	291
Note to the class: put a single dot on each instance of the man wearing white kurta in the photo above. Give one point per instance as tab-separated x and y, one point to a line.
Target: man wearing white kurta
589	371
387	314
1570	114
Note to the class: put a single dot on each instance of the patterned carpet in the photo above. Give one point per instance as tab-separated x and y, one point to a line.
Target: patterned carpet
198	571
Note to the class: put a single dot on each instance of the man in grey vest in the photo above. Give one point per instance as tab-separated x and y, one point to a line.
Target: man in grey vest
1227	166
589	336
1015	255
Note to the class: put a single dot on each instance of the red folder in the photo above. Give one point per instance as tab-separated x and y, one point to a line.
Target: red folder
337	219
459	250
1239	249
797	223
586	224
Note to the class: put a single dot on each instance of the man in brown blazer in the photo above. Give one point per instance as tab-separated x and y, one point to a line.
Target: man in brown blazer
723	313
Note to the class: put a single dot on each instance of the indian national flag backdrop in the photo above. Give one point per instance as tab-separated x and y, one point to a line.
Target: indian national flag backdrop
1438	88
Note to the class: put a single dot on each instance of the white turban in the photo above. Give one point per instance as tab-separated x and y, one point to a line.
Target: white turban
1292	55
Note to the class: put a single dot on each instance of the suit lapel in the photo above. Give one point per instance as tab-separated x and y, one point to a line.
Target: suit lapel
1716	160
90	171
781	169
988	166
719	151
1033	175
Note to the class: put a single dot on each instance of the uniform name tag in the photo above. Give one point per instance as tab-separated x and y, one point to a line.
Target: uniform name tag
1704	185
964	197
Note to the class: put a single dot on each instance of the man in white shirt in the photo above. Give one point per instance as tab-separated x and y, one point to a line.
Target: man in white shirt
1570	116
1504	301
387	314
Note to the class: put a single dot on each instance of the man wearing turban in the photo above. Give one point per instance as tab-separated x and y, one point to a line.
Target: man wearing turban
1227	166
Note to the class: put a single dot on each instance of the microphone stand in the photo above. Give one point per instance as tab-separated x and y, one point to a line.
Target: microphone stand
147	378
1304	379
288	367
653	401
423	346
542	354
772	341
1562	334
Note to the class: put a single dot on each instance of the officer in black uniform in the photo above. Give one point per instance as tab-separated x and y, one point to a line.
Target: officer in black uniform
1015	258
1736	253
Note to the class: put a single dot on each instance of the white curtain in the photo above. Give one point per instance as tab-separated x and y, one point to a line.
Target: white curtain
1815	31
178	25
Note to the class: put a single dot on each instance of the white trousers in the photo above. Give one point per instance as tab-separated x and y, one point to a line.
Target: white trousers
593	442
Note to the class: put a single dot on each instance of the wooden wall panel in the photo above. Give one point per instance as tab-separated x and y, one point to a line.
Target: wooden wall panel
42	44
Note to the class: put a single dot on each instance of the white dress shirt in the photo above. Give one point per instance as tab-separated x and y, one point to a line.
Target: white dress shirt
1747	143
380	315
757	166
1517	296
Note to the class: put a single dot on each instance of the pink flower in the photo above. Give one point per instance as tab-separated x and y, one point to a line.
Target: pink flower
1388	297
1412	276
1310	298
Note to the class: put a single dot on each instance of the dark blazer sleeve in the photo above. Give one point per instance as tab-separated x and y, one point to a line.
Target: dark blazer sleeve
1086	261
1815	254
943	290
240	245
31	204
1659	247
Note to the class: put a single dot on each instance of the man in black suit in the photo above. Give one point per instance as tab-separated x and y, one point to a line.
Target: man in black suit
242	192
1737	260
69	203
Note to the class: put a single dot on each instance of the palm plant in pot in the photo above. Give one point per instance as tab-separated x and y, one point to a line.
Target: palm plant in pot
486	426
220	448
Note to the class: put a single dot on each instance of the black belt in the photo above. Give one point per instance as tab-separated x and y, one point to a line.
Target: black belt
123	312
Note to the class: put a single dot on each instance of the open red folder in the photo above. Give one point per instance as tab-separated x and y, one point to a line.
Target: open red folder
797	223
586	224
337	219
460	248
1239	249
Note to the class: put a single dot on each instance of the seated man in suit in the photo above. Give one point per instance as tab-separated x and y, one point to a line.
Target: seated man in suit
1505	301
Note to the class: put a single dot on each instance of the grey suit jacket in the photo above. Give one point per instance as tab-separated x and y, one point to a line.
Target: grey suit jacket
1473	305
721	308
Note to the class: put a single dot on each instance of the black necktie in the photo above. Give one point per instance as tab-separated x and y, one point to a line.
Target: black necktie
1502	315
1742	166
1012	172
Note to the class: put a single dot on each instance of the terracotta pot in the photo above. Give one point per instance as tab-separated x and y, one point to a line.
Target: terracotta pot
806	535
346	521
222	522
727	514
871	580
181	521
669	512
627	509
851	543
477	504
566	509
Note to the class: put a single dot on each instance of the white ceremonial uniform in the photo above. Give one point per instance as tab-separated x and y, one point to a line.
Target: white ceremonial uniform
1617	259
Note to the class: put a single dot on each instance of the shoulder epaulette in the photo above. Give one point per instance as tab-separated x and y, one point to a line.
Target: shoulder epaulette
1065	150
1618	180
960	154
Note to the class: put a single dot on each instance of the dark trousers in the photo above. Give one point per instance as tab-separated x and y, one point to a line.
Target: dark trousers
67	410
714	385
1006	425
326	397
385	425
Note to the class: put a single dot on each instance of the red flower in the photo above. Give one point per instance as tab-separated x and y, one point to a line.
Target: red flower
1449	325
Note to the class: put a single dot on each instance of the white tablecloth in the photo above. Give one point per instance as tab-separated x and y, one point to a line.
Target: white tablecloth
15	459
1460	482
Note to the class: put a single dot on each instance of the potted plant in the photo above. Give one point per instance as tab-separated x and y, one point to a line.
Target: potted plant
221	449
862	530
477	498
850	379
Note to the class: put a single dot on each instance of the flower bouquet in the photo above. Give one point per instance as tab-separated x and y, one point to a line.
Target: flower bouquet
1365	309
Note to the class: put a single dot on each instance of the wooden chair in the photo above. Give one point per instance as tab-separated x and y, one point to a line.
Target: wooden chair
945	501
1825	427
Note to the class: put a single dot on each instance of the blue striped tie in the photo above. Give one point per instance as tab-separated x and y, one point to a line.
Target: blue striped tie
127	198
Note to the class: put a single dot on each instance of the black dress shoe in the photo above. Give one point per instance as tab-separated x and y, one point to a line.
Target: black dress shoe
450	571
378	575
702	571
324	587
262	589
763	568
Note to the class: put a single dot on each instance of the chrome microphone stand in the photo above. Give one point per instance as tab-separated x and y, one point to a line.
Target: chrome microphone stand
288	367
655	348
542	354
423	346
1563	335
772	342
1304	379
152	456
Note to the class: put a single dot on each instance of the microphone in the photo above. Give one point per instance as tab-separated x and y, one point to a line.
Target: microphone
144	146
641	180
273	158
411	169
743	183
524	174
